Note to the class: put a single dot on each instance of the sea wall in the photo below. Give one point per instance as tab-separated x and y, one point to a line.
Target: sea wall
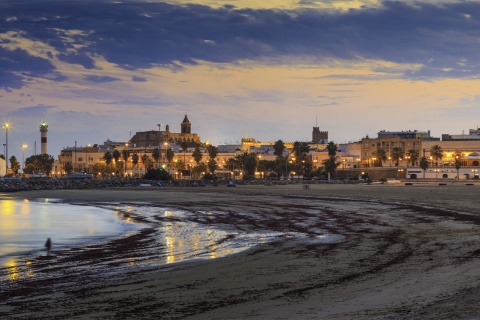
61	183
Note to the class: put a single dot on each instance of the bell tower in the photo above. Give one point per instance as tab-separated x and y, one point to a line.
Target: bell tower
186	126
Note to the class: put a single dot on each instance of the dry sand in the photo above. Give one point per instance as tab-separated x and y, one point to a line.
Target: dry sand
407	252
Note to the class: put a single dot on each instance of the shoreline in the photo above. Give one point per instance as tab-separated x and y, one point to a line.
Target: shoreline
410	252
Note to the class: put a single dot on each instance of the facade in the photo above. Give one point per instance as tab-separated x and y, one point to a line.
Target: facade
154	138
83	158
387	140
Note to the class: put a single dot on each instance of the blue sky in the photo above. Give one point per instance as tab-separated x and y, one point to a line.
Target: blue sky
267	69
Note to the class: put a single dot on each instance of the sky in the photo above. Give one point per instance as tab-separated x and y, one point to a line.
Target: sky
269	70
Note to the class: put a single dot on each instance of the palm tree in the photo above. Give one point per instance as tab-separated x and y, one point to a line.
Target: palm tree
156	155
458	165
397	154
413	154
330	165
169	155
108	157
14	165
125	156
116	155
278	148
212	154
135	158
424	164
381	155
197	155
145	162
184	147
437	153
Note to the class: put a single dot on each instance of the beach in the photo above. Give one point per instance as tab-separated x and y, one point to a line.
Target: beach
344	252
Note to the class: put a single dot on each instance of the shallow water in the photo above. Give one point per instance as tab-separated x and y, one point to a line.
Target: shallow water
25	226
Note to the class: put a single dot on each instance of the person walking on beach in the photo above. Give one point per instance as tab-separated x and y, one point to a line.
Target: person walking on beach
48	245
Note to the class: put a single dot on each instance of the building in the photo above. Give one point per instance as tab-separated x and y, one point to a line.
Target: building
474	134
154	138
388	140
319	137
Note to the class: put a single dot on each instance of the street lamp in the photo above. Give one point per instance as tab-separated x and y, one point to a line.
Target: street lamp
436	173
398	172
474	172
23	146
6	125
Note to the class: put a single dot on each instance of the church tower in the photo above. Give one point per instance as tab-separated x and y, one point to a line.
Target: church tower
186	126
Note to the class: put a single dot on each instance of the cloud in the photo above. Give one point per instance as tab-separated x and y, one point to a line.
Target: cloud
133	35
32	112
100	79
139	79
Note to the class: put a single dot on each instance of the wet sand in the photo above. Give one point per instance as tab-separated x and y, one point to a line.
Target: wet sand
406	252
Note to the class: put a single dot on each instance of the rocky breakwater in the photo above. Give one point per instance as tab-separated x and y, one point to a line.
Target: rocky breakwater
12	185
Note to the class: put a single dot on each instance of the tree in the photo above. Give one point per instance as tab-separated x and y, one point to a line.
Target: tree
279	148
108	157
458	165
413	154
135	158
424	164
436	153
169	154
184	147
199	169
156	155
14	165
397	154
145	161
180	166
381	156
197	155
41	163
116	155
68	167
248	162
300	151
212	154
330	165
125	156
157	174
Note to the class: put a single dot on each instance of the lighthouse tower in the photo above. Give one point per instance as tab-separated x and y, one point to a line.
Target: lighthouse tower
43	131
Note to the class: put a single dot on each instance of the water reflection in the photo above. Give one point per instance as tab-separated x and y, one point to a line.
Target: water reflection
12	270
25	225
188	240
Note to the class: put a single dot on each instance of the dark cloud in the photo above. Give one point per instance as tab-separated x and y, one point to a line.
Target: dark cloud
136	34
139	79
31	112
100	79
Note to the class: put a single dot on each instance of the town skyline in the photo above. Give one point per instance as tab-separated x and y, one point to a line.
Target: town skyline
272	70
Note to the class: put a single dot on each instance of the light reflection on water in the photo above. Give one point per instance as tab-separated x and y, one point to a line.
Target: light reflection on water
25	225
